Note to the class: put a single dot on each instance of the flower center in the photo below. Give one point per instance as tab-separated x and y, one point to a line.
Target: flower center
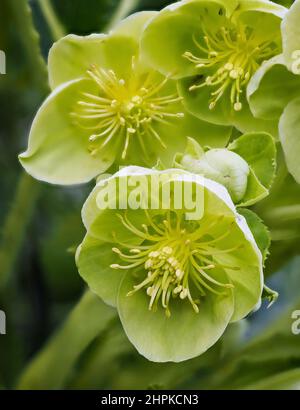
124	109
178	259
233	54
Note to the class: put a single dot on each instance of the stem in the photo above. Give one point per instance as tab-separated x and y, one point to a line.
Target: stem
28	189
56	29
123	10
15	225
29	39
51	368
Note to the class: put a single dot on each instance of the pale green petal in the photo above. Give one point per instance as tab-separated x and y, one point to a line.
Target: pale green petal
271	88
58	148
72	56
183	336
94	258
260	14
247	278
197	103
263	6
247	123
289	127
291	37
134	25
170	34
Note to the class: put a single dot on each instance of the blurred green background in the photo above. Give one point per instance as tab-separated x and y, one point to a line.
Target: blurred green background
40	227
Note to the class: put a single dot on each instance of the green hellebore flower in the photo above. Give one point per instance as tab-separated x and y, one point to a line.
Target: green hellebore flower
273	92
177	282
107	108
214	48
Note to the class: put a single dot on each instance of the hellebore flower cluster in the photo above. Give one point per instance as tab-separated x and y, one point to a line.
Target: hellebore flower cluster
178	105
108	108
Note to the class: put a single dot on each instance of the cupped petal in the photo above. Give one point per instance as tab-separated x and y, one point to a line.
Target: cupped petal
291	37
263	6
271	88
243	266
289	126
93	260
260	14
197	103
58	148
134	25
110	199
246	122
71	56
182	336
170	34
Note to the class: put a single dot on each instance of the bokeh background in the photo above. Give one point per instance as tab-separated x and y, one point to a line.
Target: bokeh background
40	227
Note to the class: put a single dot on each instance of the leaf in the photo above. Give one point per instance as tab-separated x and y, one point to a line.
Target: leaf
289	380
52	366
255	191
289	126
270	295
258	229
259	150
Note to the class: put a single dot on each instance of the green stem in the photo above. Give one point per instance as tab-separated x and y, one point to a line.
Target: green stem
57	30
51	368
15	225
29	38
27	191
123	10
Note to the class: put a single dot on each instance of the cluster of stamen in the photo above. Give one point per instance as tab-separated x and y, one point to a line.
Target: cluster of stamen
121	110
177	262
235	54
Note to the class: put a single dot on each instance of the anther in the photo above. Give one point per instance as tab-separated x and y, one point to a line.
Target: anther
238	106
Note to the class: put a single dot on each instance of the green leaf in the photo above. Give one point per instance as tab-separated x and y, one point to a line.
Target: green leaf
289	380
259	150
52	366
255	191
270	294
259	231
289	126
